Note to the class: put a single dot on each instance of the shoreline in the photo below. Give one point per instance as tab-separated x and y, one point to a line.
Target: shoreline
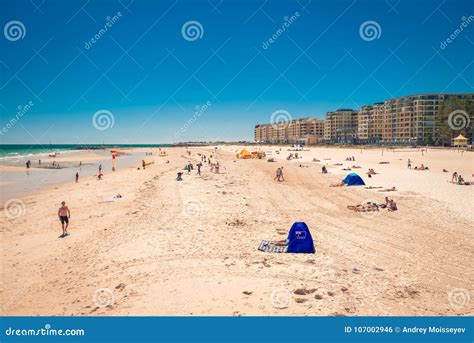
20	181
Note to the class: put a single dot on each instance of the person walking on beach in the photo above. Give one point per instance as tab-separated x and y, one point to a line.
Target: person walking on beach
409	164
281	174
277	174
100	168
77	177
64	215
199	168
143	164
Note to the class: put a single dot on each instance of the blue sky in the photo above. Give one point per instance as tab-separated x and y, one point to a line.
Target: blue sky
152	80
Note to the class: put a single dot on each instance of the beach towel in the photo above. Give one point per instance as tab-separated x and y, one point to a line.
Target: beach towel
269	246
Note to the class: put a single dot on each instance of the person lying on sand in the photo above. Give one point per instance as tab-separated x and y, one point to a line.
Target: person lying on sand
369	207
445	171
393	189
373	187
356	167
64	215
422	167
346	168
390	205
371	172
340	184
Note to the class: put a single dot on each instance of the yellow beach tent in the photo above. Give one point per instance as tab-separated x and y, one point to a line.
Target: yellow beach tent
244	153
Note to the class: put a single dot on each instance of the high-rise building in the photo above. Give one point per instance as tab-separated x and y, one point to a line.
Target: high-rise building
413	118
404	120
301	131
341	126
370	123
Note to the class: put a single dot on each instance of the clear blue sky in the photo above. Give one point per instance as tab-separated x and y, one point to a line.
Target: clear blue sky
151	79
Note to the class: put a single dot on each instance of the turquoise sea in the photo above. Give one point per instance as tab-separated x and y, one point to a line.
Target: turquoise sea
26	150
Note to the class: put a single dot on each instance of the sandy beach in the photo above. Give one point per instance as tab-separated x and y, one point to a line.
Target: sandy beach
190	247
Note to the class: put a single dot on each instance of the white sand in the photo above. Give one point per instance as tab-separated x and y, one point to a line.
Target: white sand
190	247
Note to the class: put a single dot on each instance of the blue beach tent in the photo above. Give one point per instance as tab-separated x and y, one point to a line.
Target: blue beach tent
300	240
353	179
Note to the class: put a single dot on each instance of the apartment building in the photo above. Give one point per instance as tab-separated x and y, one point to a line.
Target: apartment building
413	118
297	131
404	120
370	123
341	126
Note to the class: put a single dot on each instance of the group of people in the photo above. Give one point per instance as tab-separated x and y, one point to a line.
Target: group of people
350	158
204	158
422	167
458	179
215	167
292	156
371	206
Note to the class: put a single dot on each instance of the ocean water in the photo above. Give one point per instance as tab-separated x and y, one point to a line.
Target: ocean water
20	151
25	181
